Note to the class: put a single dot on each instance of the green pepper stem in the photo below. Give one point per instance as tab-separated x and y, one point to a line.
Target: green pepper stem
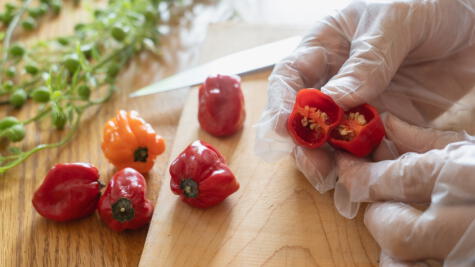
123	210
141	154
190	188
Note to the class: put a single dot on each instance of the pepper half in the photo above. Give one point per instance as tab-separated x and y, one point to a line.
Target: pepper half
360	132
314	116
129	141
201	177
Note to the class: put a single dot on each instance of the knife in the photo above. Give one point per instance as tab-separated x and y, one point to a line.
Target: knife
240	63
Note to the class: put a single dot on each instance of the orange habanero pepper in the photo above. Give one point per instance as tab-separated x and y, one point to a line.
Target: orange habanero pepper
129	141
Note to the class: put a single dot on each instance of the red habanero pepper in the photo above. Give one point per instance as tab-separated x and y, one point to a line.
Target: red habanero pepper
69	191
360	132
313	117
221	105
123	205
201	177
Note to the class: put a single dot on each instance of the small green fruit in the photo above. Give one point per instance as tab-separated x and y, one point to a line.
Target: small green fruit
41	95
18	98
14	133
8	122
72	63
17	50
84	92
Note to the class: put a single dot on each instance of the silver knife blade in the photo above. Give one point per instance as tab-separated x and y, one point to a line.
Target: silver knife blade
240	63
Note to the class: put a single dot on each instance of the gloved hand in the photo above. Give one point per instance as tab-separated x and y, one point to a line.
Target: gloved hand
413	58
437	172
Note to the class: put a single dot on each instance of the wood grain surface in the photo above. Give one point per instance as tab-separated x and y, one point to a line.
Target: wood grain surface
27	239
276	218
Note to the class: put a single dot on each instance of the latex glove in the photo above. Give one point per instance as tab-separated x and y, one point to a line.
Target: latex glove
412	58
440	173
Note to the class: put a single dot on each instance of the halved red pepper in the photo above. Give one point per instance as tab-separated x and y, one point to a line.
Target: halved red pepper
201	177
360	132
314	116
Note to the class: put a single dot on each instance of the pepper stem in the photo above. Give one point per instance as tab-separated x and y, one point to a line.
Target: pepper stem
141	154
123	210
101	185
190	188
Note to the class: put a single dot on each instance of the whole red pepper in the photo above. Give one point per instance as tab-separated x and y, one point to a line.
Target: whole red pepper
313	117
360	132
69	191
201	177
123	205
221	105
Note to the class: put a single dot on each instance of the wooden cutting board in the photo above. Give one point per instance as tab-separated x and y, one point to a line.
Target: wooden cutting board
275	219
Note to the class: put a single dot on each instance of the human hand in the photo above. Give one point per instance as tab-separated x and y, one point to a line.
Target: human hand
436	172
412	58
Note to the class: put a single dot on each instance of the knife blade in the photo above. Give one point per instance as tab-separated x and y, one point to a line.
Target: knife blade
240	63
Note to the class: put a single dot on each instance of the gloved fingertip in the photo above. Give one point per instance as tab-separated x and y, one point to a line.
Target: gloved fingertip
306	67
317	165
386	150
343	203
394	226
345	161
388	261
346	100
371	210
411	138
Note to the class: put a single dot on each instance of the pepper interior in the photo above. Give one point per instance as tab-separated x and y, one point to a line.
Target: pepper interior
354	122
309	122
324	105
313	118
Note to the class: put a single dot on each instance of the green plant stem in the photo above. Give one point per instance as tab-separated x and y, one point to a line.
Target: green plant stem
37	116
104	99
110	57
92	56
24	155
10	30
